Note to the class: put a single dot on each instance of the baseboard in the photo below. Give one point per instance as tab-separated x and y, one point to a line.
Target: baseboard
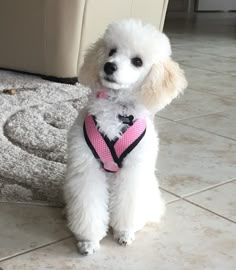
71	80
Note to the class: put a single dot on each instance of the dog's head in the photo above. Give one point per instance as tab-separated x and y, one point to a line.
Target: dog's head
134	58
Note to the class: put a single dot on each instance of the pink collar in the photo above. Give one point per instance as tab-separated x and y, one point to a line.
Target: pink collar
101	94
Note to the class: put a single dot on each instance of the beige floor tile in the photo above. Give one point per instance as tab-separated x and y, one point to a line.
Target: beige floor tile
211	82
180	39
221	200
188	238
191	159
218	28
25	227
219	123
220	48
195	103
205	61
160	120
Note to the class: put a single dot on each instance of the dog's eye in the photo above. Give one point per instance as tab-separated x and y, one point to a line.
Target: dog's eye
112	51
137	61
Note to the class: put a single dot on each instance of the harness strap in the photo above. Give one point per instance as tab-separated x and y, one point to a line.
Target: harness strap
111	153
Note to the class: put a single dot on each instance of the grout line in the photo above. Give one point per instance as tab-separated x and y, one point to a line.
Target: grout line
218	72
34	249
184	198
200	115
212	133
176	200
188	125
172	193
227	57
203	115
210	211
162	117
200	190
208	188
172	200
167	121
209	93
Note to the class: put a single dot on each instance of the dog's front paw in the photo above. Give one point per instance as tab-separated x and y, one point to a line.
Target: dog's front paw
124	238
87	247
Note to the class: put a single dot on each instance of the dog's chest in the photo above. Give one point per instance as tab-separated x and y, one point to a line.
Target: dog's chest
113	118
113	123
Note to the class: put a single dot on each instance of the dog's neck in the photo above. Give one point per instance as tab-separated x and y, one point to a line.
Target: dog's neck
123	97
107	104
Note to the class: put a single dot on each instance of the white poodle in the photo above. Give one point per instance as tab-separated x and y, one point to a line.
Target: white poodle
113	144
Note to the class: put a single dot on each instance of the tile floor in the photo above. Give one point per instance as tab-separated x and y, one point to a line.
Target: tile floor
197	171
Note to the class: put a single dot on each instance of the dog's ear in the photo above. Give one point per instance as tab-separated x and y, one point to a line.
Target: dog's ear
163	83
88	74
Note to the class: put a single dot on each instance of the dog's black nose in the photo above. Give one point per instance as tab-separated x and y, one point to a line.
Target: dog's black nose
110	68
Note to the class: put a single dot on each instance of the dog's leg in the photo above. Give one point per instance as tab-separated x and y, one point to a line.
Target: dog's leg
86	197
135	200
124	238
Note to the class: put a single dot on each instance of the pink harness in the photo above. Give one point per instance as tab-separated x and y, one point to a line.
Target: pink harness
111	153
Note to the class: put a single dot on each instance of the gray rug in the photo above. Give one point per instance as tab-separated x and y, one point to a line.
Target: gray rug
35	116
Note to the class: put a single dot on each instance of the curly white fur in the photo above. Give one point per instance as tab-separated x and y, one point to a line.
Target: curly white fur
126	200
